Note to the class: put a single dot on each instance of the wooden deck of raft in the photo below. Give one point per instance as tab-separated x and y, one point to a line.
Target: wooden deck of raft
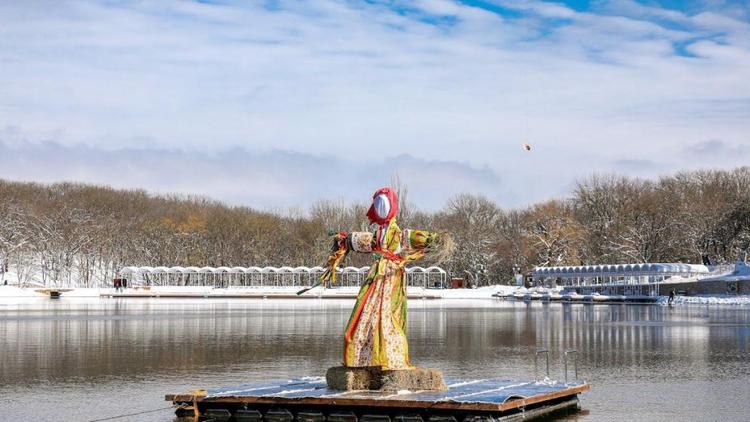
493	397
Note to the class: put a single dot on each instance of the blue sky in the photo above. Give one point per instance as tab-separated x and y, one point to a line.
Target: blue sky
278	104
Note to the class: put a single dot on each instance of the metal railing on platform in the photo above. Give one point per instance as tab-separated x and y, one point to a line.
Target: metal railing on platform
575	363
567	356
536	362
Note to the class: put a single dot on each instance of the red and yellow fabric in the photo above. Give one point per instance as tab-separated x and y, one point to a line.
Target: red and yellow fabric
376	332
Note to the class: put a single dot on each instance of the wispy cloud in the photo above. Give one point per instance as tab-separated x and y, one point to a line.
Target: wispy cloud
714	148
438	81
637	165
271	180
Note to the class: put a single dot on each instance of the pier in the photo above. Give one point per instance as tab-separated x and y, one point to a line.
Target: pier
52	292
572	296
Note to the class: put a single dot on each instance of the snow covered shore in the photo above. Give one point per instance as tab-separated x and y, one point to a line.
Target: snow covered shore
12	292
270	292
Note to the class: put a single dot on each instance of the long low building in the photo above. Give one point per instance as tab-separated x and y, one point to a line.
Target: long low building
225	277
615	274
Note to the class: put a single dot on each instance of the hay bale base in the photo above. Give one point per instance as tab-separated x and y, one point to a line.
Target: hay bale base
374	378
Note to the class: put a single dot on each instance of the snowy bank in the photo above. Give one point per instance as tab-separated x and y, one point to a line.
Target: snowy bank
10	292
270	292
13	291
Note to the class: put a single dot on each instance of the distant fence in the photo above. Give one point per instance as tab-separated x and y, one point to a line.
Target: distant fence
224	277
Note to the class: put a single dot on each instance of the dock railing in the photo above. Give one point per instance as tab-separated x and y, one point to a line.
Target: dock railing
536	362
569	357
575	363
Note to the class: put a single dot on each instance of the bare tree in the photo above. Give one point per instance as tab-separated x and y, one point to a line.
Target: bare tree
76	234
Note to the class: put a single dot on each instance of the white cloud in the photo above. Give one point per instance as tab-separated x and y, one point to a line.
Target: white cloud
268	180
436	80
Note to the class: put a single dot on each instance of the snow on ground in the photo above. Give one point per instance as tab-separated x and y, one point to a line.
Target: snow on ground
479	293
9	277
207	291
13	291
9	292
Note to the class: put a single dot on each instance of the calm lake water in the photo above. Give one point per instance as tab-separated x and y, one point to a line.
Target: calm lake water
77	360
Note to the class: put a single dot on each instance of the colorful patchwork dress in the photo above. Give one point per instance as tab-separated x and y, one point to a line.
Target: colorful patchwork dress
376	332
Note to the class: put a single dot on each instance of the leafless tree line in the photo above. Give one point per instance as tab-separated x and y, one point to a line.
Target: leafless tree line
75	234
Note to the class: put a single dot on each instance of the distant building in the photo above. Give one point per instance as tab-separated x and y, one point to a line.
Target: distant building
646	279
616	274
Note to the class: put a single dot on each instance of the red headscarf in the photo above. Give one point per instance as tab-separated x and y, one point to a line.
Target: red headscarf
372	213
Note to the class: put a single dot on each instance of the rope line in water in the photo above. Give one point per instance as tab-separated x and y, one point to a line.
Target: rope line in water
131	414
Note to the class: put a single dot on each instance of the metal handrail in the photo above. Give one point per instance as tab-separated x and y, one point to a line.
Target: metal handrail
536	362
575	363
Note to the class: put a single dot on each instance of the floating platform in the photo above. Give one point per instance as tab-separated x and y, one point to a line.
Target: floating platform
53	292
310	400
599	298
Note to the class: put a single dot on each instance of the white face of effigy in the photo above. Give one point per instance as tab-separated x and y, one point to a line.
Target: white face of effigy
382	205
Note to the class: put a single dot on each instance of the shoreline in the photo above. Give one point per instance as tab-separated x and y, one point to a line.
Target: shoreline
188	292
289	293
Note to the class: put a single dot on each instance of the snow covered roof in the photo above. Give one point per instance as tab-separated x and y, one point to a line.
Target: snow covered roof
608	270
740	272
266	270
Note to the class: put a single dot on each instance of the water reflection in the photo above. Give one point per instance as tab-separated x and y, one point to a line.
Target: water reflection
643	360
